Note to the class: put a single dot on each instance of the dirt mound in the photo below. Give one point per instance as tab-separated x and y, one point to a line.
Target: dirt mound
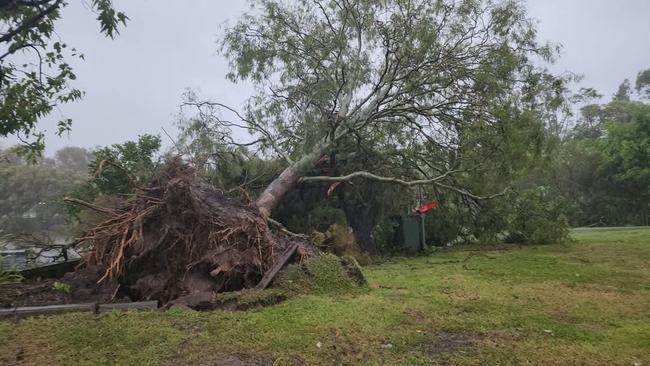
74	287
179	236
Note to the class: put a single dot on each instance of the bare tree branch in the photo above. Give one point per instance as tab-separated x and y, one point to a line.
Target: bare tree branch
367	175
435	181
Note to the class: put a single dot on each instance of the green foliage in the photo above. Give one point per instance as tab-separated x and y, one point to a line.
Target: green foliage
127	164
624	156
603	168
643	83
30	90
31	194
73	158
625	151
447	222
61	287
381	79
117	169
623	92
538	217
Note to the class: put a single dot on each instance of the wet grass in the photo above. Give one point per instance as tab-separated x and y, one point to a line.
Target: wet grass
587	302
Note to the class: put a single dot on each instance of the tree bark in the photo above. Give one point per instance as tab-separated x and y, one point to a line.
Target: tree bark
274	193
360	216
362	223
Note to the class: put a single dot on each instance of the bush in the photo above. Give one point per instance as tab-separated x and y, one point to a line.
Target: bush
538	217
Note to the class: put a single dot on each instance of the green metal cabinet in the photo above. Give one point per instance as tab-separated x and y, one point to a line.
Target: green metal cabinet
409	234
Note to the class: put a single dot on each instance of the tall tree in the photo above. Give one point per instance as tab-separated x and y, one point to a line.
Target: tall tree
623	92
642	84
35	75
73	158
31	195
625	154
433	85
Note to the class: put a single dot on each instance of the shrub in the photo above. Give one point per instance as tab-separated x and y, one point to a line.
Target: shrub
538	217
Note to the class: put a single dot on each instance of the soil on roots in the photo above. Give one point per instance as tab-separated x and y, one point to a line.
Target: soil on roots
179	236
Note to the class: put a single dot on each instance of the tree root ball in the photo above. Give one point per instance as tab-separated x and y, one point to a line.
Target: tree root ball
179	236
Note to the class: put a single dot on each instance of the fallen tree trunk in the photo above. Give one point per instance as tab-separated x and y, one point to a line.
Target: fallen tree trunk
291	175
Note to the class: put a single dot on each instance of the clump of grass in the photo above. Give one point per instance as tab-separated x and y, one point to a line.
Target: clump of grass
324	274
61	287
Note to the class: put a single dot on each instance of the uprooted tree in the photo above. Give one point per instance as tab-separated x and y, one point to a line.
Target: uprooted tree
438	90
427	92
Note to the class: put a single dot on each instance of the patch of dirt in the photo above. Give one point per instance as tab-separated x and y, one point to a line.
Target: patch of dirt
32	293
415	316
238	304
76	287
444	346
231	301
245	360
238	360
561	314
444	342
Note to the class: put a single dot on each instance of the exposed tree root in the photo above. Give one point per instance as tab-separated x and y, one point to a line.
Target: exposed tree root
180	236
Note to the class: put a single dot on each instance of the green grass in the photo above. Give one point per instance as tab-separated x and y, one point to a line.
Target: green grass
587	302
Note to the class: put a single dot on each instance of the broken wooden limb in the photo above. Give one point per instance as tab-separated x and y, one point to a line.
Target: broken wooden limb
26	311
273	271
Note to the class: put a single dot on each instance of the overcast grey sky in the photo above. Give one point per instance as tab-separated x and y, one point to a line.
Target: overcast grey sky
134	83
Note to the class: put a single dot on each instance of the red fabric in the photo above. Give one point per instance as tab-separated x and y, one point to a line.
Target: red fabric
427	206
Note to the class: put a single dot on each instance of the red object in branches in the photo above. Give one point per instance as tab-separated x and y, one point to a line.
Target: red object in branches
427	206
332	188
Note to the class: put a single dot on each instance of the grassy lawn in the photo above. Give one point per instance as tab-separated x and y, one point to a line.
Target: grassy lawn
587	302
